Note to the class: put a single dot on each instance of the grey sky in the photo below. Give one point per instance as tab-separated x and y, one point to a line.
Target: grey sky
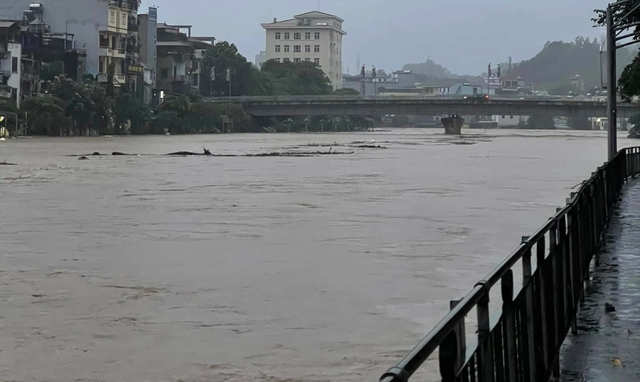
463	35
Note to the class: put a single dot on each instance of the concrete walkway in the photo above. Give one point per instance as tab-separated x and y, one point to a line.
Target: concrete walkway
607	347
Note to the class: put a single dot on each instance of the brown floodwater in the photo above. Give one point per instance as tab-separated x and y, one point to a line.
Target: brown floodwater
329	267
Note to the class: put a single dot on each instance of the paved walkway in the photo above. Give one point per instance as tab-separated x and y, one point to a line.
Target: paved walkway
607	347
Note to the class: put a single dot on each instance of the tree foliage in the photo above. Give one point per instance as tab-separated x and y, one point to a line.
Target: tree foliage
346	92
626	13
221	57
44	115
302	78
129	109
540	122
86	105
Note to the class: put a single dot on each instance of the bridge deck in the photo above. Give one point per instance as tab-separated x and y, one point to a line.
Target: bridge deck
602	336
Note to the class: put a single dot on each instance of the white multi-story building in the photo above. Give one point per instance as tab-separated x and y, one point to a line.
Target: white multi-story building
313	36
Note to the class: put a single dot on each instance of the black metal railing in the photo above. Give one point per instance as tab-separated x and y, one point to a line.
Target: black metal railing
523	343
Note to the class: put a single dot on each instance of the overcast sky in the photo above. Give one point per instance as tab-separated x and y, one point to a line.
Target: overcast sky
462	35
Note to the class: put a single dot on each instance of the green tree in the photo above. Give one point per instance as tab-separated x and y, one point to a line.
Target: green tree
346	92
180	105
540	122
218	59
86	104
168	121
301	78
629	81
44	115
128	109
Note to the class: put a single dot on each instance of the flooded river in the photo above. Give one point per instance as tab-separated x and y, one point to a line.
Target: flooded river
330	267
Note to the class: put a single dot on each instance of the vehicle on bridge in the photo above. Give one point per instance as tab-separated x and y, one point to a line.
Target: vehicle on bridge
477	97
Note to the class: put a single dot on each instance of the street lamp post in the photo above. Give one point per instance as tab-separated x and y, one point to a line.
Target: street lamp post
613	36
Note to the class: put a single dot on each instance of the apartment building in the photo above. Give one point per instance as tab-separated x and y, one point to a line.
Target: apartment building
178	61
313	36
100	27
10	60
148	32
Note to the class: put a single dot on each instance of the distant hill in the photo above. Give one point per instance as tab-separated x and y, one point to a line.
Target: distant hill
552	68
558	61
429	68
430	72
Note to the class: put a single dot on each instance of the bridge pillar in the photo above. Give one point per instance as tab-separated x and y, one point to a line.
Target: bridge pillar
453	125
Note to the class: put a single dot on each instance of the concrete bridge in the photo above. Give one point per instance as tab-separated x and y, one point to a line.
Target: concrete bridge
273	106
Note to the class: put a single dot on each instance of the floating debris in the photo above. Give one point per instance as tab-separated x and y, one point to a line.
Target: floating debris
83	158
7	164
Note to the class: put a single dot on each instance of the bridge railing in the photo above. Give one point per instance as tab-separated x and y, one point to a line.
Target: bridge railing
426	97
523	343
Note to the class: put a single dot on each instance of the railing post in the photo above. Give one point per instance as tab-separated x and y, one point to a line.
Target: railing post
554	287
508	315
529	339
541	312
452	351
484	354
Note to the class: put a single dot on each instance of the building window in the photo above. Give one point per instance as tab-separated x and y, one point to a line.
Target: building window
123	21
277	59
316	48
112	17
277	48
277	35
164	73
307	48
287	60
286	35
296	48
14	64
316	61
296	60
317	35
296	36
307	59
286	48
307	36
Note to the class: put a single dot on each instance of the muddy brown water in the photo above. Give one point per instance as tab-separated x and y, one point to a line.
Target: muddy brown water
331	267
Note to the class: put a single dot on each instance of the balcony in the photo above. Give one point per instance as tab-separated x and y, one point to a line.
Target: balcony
118	79
124	4
117	52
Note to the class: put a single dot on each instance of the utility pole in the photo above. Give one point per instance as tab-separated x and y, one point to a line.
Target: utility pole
363	85
229	80
373	78
488	77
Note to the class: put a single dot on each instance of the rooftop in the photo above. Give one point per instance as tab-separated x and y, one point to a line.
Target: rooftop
304	20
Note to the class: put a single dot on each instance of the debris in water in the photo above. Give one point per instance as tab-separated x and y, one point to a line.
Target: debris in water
83	158
7	164
608	308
